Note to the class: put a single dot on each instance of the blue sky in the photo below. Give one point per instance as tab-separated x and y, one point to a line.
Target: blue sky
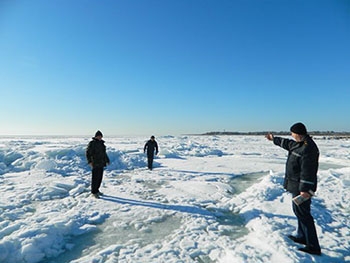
173	67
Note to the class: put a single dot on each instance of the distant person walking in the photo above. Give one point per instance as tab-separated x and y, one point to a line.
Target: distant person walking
301	179
97	158
152	147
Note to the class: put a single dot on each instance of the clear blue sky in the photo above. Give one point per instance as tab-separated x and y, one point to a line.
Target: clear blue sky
173	67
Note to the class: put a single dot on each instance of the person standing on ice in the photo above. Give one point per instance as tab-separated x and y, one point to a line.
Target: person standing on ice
151	146
97	158
301	179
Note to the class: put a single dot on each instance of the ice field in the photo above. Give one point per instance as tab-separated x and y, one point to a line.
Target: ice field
208	199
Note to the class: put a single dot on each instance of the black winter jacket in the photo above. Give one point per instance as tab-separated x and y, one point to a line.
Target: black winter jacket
302	164
96	153
151	146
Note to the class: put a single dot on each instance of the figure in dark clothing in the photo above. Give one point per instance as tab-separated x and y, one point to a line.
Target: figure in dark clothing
97	158
301	179
152	147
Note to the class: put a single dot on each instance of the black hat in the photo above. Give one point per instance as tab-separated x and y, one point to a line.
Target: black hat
98	133
152	137
298	128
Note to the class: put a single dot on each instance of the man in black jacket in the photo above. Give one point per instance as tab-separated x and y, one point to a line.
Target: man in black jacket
97	158
151	146
301	179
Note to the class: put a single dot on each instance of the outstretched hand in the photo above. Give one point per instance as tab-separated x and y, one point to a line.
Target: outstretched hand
269	136
305	194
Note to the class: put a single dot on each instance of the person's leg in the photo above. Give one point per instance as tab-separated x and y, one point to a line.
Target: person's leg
94	180
307	221
150	161
300	231
99	178
306	225
97	173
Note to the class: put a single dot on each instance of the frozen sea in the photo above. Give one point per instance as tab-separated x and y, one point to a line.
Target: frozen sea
209	199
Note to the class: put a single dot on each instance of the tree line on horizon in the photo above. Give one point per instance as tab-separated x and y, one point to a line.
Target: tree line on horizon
313	133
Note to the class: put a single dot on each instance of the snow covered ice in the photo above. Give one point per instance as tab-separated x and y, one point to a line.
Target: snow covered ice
209	199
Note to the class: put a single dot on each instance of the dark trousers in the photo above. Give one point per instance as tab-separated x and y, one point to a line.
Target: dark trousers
97	173
150	161
306	226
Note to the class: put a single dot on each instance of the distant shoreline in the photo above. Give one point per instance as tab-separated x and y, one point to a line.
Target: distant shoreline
325	134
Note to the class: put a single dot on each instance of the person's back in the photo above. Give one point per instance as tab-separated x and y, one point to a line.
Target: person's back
152	148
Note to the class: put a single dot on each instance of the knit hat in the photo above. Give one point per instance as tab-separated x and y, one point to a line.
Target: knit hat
298	128
98	133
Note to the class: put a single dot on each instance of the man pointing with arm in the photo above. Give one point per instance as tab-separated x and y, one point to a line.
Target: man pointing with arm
301	179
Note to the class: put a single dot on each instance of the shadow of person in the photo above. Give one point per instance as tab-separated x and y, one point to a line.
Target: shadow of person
195	210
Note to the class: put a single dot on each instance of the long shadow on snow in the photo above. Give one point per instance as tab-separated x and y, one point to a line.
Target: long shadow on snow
254	213
215	175
207	173
177	208
233	176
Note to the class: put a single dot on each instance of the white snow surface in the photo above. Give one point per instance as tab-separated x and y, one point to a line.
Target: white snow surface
209	199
